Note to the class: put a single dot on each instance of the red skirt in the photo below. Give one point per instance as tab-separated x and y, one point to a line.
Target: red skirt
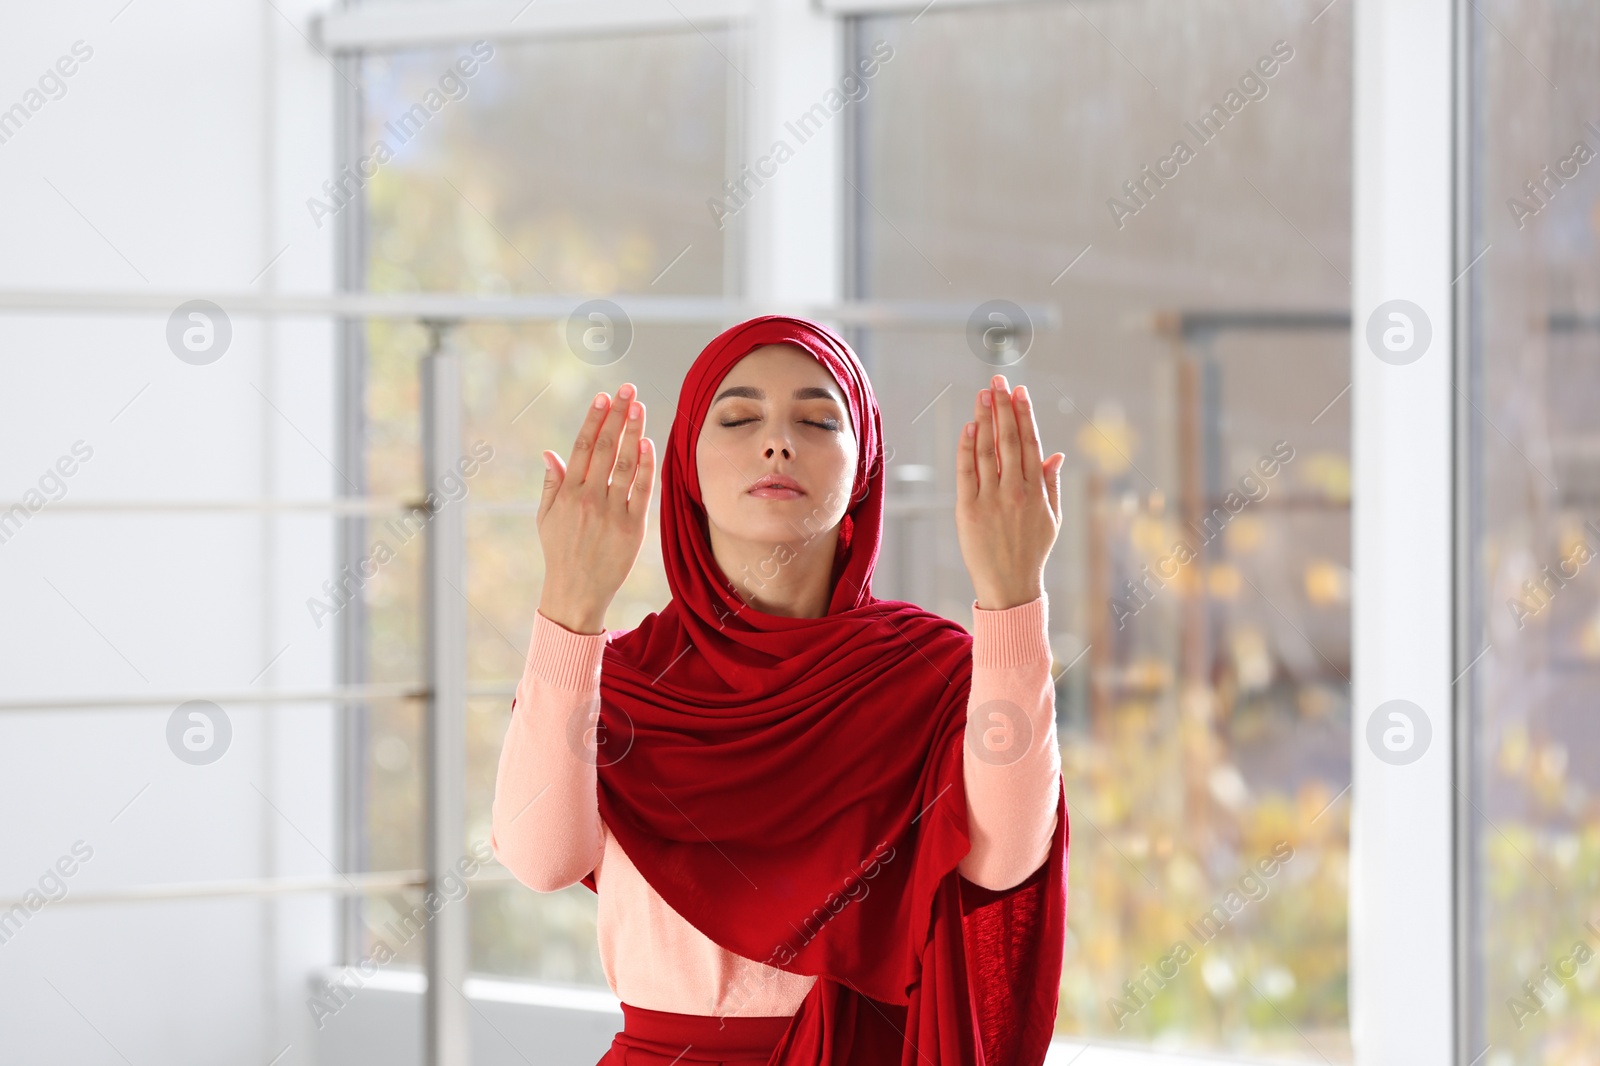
659	1038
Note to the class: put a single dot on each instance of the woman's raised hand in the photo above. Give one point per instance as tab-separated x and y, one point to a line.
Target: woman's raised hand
1008	498
593	512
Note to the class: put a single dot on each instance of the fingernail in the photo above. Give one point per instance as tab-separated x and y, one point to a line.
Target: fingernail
634	410
626	392
599	401
972	429
547	465
1022	393
986	398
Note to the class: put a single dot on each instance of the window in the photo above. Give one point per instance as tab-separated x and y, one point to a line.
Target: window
535	175
1530	615
1196	384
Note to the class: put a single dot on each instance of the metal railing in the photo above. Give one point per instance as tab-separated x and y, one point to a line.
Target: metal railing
444	686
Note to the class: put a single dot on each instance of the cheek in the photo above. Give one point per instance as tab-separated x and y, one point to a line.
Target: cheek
720	482
706	467
844	471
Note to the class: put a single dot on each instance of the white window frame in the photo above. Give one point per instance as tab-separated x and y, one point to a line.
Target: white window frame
1402	906
1403	916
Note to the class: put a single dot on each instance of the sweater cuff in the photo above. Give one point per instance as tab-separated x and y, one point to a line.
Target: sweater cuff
564	659
1011	637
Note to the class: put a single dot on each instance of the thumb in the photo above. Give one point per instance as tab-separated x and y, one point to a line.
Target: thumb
1052	481
554	475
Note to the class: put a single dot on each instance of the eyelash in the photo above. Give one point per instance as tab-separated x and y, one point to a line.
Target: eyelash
829	424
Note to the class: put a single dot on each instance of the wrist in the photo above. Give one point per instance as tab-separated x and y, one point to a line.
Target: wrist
579	618
1003	599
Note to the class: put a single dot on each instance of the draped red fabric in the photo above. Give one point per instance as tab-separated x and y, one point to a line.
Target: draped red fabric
793	786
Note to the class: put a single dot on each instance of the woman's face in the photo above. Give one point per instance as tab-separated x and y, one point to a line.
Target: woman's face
777	411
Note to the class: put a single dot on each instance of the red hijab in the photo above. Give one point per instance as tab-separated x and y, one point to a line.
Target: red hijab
793	786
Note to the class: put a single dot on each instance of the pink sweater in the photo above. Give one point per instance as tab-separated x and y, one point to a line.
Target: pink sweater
547	829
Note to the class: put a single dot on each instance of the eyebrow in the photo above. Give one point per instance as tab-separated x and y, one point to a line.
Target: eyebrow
810	392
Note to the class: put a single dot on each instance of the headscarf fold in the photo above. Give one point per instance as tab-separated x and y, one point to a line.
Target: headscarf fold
792	787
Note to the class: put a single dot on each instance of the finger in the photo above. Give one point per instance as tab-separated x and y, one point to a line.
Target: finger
604	456
583	445
554	474
966	464
644	478
627	453
1010	439
987	460
1032	454
1052	481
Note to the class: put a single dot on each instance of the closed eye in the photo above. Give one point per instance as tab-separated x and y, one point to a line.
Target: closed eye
828	423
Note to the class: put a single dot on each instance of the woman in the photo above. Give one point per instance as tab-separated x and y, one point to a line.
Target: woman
824	828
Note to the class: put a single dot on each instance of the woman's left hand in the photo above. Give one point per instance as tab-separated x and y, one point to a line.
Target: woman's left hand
1008	498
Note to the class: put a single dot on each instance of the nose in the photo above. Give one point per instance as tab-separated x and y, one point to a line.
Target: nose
778	442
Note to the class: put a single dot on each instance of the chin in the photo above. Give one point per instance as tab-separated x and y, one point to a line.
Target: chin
774	521
773	529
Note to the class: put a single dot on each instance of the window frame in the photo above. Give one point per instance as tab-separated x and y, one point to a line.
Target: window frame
1402	957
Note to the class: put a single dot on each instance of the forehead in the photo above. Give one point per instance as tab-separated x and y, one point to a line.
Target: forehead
786	359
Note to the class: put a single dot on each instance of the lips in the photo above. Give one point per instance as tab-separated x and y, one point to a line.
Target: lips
776	487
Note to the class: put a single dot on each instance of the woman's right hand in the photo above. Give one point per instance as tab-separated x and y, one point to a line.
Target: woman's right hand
593	512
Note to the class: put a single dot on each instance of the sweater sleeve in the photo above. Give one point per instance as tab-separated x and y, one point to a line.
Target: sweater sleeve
1011	757
545	819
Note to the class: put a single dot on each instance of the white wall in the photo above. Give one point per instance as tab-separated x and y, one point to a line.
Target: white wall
178	159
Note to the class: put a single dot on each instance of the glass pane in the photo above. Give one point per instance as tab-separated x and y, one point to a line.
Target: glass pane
1199	589
1532	516
499	189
